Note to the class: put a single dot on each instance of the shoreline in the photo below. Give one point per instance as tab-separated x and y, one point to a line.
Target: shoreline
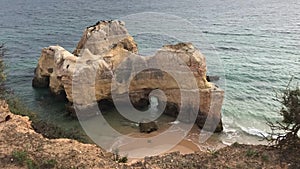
18	139
189	144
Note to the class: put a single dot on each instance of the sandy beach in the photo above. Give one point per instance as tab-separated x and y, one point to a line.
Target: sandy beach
149	145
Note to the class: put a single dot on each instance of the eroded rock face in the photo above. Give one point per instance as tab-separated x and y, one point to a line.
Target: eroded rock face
100	37
105	64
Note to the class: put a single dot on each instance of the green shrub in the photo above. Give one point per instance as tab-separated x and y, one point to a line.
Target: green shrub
118	158
49	164
265	157
123	160
235	144
286	133
31	164
53	131
18	108
20	156
251	153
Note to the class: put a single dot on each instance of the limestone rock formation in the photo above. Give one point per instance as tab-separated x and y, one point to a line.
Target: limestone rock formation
100	37
106	66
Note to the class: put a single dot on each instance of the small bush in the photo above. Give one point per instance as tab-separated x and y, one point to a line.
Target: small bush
118	158
123	160
265	157
251	153
235	144
18	108
20	156
48	164
31	164
213	152
286	133
53	131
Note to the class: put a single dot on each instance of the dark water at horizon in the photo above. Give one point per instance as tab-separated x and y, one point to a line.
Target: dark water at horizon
257	42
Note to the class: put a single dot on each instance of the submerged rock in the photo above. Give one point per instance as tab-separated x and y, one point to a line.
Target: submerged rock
105	66
148	127
212	78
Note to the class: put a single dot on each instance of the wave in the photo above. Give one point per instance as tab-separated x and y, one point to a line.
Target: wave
228	48
245	135
229	34
254	132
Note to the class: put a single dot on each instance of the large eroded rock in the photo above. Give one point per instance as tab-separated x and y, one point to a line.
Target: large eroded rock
105	64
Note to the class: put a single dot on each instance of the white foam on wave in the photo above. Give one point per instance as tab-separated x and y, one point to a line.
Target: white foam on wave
241	134
254	131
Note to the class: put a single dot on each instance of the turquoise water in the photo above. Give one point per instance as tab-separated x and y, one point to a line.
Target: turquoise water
257	42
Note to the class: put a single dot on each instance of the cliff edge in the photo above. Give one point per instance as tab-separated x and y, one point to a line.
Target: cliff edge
22	147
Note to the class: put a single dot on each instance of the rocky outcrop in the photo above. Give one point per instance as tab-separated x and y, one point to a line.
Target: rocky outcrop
100	37
106	66
17	135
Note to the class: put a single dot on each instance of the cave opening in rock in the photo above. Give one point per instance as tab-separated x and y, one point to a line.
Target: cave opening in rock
153	107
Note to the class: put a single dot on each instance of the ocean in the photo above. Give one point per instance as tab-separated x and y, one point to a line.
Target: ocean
254	46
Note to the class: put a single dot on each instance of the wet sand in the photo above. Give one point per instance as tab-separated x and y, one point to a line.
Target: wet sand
189	144
169	137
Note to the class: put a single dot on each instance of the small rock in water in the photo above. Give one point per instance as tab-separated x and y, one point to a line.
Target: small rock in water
148	127
212	78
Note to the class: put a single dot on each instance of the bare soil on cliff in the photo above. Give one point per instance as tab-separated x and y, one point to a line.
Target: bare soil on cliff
22	147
